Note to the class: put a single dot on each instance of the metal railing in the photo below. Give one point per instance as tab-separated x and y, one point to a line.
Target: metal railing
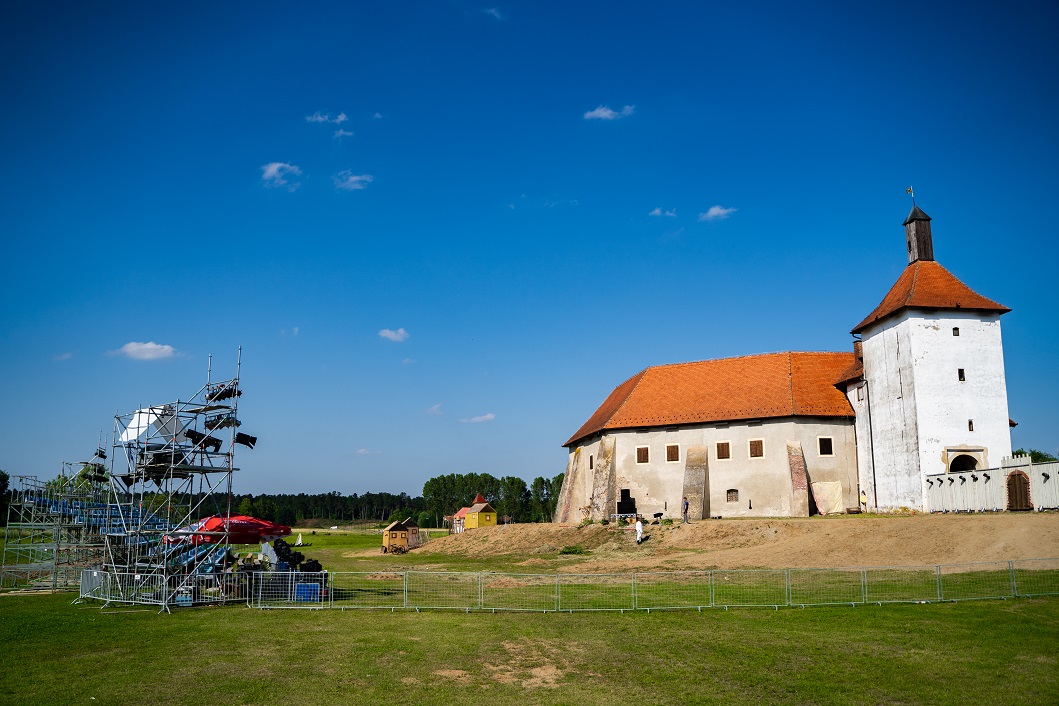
669	590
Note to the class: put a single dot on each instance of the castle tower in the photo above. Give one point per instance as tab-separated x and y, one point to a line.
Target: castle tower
930	392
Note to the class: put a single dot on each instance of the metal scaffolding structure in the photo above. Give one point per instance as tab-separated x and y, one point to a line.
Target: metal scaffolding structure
171	467
55	527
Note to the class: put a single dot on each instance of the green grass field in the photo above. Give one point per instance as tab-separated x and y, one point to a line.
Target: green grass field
997	651
1000	652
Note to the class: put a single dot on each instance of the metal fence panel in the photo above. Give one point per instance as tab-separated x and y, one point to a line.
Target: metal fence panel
381	589
147	589
443	589
673	589
595	592
1036	577
94	584
750	587
964	582
826	586
901	584
519	592
291	590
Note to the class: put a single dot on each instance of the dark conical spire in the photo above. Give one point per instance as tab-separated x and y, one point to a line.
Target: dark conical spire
917	236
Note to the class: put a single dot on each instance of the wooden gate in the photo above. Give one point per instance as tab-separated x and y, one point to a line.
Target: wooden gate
1019	491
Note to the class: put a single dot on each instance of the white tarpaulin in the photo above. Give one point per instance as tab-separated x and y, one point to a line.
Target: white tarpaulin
161	418
828	497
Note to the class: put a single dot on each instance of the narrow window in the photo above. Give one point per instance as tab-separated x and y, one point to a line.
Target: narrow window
959	374
860	393
970	425
641	454
955	330
757	448
591	462
733	495
724	450
672	452
826	446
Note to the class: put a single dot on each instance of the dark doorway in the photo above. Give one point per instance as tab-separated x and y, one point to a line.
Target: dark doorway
963	462
627	504
1019	491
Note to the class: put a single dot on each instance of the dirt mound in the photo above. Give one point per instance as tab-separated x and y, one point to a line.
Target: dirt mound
776	543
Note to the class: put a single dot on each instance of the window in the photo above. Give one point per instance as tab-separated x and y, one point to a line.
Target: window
860	393
724	450
959	374
403	535
733	495
955	330
970	425
642	455
393	535
826	446
672	452
757	448
591	462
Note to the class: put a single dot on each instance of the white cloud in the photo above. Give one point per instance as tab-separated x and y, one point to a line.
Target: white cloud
346	180
395	336
342	133
488	417
64	356
367	452
435	410
659	212
145	351
275	174
408	361
319	117
295	329
377	116
717	213
494	13
605	113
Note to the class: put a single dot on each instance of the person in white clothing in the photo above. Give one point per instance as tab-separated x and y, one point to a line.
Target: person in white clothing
639	531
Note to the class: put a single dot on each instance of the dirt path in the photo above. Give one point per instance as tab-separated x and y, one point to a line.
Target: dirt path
777	543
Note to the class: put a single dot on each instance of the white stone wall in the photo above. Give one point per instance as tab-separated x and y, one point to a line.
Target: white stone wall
857	394
764	484
919	407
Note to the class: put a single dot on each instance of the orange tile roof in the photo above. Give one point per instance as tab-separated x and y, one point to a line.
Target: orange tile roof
750	387
853	372
927	285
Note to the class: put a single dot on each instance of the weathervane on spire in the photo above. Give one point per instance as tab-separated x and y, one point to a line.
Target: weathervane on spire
909	192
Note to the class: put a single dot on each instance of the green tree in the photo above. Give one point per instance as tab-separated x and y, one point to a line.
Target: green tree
246	506
1035	455
5	481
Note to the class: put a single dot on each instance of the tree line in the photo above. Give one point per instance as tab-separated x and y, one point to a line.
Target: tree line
509	496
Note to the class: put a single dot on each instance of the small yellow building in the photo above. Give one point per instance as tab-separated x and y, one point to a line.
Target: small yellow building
480	514
395	538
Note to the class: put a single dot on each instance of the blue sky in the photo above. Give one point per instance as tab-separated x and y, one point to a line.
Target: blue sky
443	232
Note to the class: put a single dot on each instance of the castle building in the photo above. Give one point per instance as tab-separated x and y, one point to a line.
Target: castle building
790	434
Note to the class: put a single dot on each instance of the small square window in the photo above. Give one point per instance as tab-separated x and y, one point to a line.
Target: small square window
970	425
955	330
591	462
733	495
642	455
724	450
959	374
826	446
757	448
672	452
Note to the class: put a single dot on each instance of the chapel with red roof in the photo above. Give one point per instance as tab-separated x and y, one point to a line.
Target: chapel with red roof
791	434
